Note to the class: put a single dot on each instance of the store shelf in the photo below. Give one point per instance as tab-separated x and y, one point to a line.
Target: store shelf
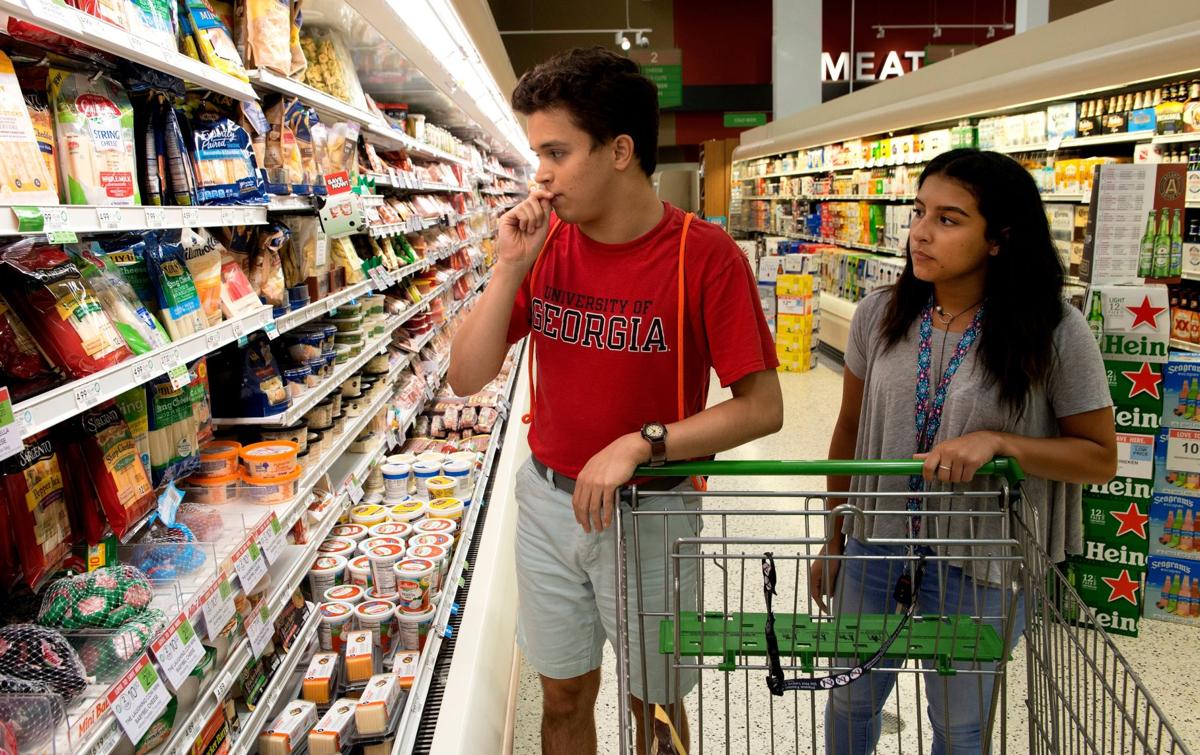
48	409
845	244
407	181
385	135
322	307
1193	136
95	33
325	105
39	219
292	203
1179	345
412	225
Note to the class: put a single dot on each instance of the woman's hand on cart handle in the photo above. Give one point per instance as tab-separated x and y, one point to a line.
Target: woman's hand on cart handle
822	572
958	460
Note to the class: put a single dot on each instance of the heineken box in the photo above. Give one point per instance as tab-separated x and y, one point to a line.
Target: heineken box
1121	489
1177	461
1114	531
1114	593
1175	525
1131	322
1136	390
1173	590
1181	391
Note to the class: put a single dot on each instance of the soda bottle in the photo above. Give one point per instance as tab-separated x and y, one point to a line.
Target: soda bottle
1162	246
1146	251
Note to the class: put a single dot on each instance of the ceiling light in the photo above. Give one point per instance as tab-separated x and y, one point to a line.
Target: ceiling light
641	40
622	40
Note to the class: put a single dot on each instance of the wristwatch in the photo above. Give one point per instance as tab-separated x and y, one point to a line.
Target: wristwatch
655	433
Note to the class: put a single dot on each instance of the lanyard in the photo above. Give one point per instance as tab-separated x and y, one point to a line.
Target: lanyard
927	412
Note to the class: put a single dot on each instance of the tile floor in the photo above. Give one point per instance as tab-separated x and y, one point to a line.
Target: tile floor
759	723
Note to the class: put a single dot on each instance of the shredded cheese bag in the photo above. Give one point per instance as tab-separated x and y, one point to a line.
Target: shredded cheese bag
94	123
24	178
213	40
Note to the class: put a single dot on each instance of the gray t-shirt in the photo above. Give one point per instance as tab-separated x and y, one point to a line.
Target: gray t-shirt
1077	384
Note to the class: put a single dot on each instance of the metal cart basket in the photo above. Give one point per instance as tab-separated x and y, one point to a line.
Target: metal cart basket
927	621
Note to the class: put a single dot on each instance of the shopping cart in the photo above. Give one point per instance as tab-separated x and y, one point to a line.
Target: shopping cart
724	615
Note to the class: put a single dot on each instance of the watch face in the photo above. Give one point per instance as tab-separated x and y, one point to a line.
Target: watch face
654	431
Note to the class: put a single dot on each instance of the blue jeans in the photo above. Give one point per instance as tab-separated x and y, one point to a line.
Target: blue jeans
958	705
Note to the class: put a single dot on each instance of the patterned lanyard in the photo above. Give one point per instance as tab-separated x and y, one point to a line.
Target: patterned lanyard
927	414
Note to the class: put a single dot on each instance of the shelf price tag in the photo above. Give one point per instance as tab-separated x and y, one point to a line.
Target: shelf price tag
250	565
272	539
217	606
355	488
87	395
191	217
54	219
108	218
57	12
10	431
259	629
143	371
271	331
178	650
155	217
139	698
222	686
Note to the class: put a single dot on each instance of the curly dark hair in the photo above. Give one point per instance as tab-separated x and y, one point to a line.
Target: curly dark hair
605	94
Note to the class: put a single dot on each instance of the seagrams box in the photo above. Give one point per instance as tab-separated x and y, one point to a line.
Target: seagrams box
1177	461
1173	590
1114	531
1174	528
1181	391
1114	593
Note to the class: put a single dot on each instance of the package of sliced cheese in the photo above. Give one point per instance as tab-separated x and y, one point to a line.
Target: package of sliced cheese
93	120
376	705
289	732
335	730
24	178
213	41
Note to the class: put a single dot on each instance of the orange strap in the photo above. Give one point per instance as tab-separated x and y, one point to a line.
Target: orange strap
527	418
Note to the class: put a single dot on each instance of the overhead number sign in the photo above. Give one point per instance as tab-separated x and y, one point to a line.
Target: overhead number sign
665	69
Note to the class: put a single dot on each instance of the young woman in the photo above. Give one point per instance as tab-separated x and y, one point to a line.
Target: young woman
975	346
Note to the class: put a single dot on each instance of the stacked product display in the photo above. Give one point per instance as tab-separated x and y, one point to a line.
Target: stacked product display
788	286
225	315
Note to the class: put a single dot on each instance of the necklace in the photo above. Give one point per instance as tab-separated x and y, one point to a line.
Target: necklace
949	318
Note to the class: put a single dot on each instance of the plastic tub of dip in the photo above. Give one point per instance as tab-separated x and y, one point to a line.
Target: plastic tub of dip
379	363
446	508
405	511
320	415
335	618
313	442
431	538
414	579
354	532
437	526
353	385
460	472
270	492
213	490
352	594
336	399
423	472
297	433
296	379
337	546
403	458
364	548
383	557
379	616
325	573
399	530
368	515
360	572
396	478
413	628
342	352
218	458
439	555
441	487
271	460
316	371
432	457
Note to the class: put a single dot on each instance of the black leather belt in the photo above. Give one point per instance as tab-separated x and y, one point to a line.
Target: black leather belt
567	485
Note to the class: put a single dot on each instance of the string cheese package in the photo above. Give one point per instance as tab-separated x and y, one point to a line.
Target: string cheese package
114	467
226	169
174	447
134	410
136	324
180	173
24	174
93	120
174	289
127	257
214	44
203	255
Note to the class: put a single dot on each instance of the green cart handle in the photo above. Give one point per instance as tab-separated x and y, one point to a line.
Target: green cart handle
1006	467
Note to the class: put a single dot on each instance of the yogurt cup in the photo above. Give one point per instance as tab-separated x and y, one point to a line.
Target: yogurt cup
443	526
414	580
413	628
402	458
460	472
354	532
400	530
441	487
405	511
352	594
432	538
337	546
374	594
326	572
335	618
446	508
383	557
359	569
378	616
368	515
364	548
439	555
396	478
423	472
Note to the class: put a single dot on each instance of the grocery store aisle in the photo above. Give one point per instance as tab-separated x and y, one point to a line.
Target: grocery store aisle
811	404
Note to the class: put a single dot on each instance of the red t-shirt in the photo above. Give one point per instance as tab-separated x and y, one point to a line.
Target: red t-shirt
604	322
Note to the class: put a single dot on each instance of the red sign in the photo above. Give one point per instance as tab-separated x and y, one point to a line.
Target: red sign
337	183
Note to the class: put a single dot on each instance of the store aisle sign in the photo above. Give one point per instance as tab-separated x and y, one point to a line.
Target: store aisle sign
745	120
867	66
665	69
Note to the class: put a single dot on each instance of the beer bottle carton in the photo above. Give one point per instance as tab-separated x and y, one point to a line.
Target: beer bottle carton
1114	593
1137	395
1137	323
1181	391
1172	591
1115	532
1174	528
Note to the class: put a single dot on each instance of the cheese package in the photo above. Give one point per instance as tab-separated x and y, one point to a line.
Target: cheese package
94	124
335	730
404	666
226	168
268	35
360	656
320	678
43	131
376	705
290	731
213	42
155	21
24	178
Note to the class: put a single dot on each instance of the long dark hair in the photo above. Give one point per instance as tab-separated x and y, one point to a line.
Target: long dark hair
1023	283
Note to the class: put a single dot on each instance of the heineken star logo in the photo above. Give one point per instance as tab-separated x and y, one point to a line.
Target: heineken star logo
1145	380
1123	587
1145	313
1132	521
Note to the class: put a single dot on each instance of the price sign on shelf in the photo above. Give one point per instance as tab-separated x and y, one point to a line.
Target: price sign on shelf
272	539
271	331
178	374
54	219
143	371
212	340
228	217
217	606
139	698
191	217
178	650
1183	451
108	218
222	686
250	565
156	217
10	430
259	630
87	395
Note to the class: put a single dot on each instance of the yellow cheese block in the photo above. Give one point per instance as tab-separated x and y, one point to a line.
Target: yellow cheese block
290	730
335	729
376	704
404	666
360	656
320	678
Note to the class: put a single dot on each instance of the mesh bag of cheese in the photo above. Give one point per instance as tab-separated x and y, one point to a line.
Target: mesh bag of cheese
24	178
93	119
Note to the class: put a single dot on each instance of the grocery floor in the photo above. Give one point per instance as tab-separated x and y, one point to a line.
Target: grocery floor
811	401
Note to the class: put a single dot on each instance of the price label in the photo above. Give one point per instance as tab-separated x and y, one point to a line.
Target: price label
271	331
260	630
10	431
212	340
228	217
179	376
217	606
108	218
356	491
1054	143
178	650
143	371
139	698
156	217
58	13
103	30
250	565
54	219
62	237
87	395
1183	451
222	686
272	539
191	217
322	251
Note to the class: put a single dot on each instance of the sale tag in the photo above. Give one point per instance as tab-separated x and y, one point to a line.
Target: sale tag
178	650
260	629
10	431
62	237
108	218
1183	451
139	698
156	217
218	606
250	565
272	539
271	331
179	376
1135	456
87	395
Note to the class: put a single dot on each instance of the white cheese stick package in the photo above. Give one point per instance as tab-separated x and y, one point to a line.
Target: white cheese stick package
375	707
94	123
335	731
24	177
289	733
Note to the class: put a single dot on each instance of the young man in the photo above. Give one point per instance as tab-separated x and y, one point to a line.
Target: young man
602	300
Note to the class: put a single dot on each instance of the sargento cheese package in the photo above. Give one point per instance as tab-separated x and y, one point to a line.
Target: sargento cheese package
24	178
94	123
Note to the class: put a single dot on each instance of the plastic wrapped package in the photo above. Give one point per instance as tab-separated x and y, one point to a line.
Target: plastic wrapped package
136	324
35	659
213	42
298	119
303	261
32	486
23	368
155	21
173	427
268	35
25	178
330	67
151	163
94	124
135	411
126	256
201	403
282	163
38	105
168	553
225	165
237	294
203	255
83	503
113	467
174	290
266	264
60	309
182	188
111	11
342	255
108	655
29	721
106	598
